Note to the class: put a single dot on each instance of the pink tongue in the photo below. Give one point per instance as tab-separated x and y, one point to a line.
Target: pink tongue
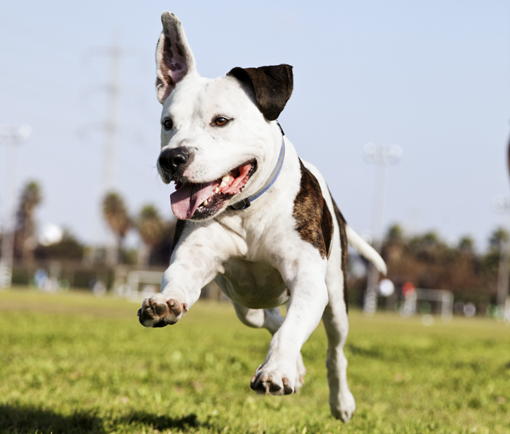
188	198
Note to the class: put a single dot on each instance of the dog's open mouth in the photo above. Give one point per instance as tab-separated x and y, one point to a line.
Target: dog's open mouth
199	201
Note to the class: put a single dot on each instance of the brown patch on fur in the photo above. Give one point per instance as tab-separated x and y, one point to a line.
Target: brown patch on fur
343	244
313	219
271	87
327	228
179	229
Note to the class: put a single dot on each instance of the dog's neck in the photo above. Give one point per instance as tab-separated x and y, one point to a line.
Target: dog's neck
245	203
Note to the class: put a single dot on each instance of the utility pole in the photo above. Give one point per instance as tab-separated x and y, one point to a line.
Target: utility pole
114	54
12	137
111	126
381	156
111	129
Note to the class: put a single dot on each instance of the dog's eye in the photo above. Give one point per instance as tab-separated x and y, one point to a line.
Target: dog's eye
221	121
168	124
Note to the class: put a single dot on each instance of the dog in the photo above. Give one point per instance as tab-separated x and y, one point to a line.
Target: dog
252	216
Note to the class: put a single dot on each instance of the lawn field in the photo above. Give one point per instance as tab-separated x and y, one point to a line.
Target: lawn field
73	363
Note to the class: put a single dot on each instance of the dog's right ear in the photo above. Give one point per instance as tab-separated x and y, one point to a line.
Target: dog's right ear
174	59
271	87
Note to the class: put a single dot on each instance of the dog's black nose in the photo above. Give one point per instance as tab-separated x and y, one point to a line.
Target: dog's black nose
171	159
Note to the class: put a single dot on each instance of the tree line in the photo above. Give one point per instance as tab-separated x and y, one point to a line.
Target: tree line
426	260
430	262
155	233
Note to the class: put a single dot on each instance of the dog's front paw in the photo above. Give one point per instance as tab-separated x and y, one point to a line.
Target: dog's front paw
272	381
160	311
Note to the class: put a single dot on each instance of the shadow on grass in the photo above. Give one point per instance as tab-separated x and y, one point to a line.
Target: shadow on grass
372	353
23	419
162	422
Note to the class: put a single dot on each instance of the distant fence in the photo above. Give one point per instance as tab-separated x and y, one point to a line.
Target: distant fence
441	300
61	274
127	281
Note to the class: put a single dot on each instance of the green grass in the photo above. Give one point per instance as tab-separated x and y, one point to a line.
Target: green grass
73	363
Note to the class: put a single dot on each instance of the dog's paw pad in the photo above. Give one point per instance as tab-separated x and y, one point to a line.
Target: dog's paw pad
157	311
271	385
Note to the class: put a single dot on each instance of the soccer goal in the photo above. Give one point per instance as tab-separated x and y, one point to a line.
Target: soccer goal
440	299
138	284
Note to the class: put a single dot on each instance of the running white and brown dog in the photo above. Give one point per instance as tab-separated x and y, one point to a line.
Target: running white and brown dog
252	216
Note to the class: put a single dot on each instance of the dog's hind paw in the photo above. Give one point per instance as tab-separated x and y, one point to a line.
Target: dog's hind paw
160	311
343	406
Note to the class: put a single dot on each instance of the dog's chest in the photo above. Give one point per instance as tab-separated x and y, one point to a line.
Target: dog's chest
255	285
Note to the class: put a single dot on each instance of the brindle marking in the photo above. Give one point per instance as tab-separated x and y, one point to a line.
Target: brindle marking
327	227
313	219
270	87
343	243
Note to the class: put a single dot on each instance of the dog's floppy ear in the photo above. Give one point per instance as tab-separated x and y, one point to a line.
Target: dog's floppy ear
271	85
174	59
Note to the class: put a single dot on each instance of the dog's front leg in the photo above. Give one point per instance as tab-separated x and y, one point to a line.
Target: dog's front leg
271	320
305	278
194	263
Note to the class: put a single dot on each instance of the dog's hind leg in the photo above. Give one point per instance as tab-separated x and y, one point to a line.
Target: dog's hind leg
270	319
341	401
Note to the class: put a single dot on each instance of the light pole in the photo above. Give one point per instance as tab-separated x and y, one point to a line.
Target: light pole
381	156
12	137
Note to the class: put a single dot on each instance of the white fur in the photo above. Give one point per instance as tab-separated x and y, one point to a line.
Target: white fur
256	255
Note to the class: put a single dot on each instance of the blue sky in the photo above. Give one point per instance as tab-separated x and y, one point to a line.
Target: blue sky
432	77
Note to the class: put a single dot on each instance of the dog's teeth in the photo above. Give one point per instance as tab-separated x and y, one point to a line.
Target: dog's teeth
216	190
205	202
224	181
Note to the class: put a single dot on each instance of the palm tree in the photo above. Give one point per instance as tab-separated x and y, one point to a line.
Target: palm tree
25	240
115	214
151	228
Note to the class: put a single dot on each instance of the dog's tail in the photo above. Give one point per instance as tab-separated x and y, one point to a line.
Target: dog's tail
365	249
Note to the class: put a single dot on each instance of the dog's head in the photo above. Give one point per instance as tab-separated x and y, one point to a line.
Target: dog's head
217	135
